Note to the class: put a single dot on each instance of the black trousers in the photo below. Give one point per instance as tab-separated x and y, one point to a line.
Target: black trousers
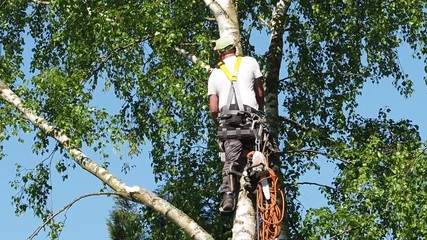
235	159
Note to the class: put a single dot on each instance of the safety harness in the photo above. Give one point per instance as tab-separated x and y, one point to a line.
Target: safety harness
235	119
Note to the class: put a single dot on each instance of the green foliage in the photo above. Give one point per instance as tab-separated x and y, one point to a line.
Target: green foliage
126	51
34	188
334	47
381	192
126	221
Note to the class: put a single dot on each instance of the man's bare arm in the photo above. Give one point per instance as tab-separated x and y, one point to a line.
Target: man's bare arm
213	107
259	92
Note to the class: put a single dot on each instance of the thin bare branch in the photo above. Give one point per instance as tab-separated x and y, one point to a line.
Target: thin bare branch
304	128
346	230
68	206
316	184
295	123
107	57
316	152
267	24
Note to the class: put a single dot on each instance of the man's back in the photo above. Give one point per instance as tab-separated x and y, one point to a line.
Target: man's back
220	85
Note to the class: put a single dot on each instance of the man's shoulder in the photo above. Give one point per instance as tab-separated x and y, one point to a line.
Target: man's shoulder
215	70
215	73
250	62
249	59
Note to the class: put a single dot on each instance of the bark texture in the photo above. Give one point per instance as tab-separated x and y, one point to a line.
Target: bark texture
226	16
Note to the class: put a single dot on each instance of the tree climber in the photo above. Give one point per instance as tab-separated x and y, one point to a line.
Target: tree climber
235	91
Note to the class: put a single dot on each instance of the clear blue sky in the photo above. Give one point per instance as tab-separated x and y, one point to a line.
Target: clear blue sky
86	219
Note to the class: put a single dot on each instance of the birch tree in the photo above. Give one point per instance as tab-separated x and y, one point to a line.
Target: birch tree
153	56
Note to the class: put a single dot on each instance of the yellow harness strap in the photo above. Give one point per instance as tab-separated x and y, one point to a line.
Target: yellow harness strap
231	77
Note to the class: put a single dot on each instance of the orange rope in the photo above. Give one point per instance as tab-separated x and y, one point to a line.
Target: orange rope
270	212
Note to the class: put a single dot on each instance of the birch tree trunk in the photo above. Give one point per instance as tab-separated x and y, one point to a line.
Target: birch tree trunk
226	16
244	224
134	193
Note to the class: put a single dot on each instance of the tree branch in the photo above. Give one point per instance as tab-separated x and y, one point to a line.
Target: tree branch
285	78
295	123
194	59
316	152
316	184
267	24
347	229
41	2
311	151
304	128
103	59
68	206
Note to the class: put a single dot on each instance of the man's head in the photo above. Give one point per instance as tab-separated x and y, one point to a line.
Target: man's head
225	44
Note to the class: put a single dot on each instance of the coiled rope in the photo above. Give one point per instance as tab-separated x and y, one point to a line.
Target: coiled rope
269	210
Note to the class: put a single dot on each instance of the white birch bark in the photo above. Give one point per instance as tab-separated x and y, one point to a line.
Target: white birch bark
135	193
244	224
226	15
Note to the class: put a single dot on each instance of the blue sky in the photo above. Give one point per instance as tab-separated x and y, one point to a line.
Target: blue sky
86	219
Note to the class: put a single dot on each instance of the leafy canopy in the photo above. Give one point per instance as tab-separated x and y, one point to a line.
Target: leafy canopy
127	50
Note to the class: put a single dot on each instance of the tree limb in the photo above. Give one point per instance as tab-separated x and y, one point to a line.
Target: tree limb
297	124
316	184
267	24
346	230
41	2
194	59
304	128
107	57
316	152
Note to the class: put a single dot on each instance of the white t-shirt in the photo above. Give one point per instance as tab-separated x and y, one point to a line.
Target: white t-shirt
219	84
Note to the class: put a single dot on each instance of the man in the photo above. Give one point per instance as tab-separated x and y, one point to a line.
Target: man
247	87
